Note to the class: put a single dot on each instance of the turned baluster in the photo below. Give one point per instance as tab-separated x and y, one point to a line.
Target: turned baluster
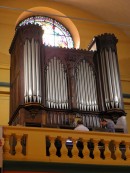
127	153
75	149
107	152
18	147
6	147
117	150
85	149
63	148
52	147
96	150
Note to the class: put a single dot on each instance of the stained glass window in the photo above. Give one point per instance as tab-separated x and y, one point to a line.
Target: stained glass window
55	34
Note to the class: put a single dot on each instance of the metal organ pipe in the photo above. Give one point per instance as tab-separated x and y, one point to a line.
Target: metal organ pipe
82	86
55	84
25	73
47	87
91	91
77	87
85	85
88	87
38	72
52	86
34	71
29	70
66	93
63	88
32	74
50	90
58	84
100	84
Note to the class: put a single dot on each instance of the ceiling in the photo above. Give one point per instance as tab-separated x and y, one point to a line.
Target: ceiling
112	11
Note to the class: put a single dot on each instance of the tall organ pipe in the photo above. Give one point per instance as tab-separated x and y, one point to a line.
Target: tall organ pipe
66	93
100	85
34	72
77	86
103	67
85	84
37	72
25	73
52	87
82	86
92	88
30	71
47	87
88	86
50	90
58	84
63	82
40	83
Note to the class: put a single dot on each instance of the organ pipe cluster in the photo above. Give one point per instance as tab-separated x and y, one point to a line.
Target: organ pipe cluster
86	88
110	79
56	85
32	72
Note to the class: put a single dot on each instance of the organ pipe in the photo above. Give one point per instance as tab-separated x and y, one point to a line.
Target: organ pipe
34	71
25	74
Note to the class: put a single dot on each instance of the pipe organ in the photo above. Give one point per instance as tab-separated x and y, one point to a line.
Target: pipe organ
53	86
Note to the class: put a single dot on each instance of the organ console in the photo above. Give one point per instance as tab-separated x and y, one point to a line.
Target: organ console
51	86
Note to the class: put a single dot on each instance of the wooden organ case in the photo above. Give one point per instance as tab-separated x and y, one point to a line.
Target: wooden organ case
52	86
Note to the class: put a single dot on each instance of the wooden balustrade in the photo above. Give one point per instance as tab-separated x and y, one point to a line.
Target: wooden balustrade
66	146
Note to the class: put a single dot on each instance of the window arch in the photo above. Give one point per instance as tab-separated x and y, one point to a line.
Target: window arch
54	33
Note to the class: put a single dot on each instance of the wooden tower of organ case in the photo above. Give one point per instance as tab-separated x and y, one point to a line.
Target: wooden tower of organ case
52	86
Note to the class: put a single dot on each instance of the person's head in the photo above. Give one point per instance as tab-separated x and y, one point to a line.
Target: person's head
79	122
103	122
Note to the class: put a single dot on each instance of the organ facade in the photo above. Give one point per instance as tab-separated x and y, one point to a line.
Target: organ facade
51	86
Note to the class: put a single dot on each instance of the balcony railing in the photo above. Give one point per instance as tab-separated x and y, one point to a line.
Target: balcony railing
65	146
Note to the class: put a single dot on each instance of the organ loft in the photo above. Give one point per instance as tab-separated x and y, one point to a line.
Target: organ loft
52	86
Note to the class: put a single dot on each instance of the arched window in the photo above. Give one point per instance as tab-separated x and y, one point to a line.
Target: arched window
54	33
